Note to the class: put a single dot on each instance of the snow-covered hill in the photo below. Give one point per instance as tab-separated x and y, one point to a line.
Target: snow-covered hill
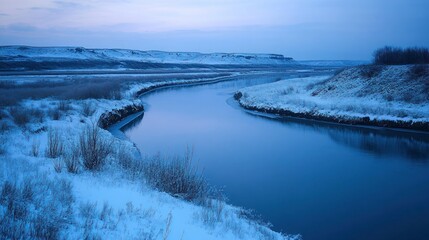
78	53
389	96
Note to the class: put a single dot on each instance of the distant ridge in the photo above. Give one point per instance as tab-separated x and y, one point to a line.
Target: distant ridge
24	53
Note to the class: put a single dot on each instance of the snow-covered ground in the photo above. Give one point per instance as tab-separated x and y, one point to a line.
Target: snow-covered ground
376	95
61	53
332	63
40	198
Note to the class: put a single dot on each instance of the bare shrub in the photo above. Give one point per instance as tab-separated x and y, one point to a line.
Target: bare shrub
93	147
58	165
176	176
35	147
55	113
88	211
20	115
64	106
55	147
287	91
106	212
71	157
36	114
134	167
2	144
213	212
88	109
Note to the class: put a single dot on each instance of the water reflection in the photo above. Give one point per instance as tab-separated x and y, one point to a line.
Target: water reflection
411	145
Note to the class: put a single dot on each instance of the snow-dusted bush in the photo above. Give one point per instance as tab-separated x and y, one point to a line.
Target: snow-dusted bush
88	212
176	176
93	147
55	145
71	157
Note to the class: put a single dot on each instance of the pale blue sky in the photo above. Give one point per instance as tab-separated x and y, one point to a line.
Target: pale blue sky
303	29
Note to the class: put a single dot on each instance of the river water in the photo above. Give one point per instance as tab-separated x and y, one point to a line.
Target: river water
321	180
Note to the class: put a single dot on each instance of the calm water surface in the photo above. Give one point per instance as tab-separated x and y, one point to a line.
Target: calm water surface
321	180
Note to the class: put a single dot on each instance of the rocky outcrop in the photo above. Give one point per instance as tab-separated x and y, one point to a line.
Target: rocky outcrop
107	119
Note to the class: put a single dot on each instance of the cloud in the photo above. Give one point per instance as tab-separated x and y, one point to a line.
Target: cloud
61	7
19	27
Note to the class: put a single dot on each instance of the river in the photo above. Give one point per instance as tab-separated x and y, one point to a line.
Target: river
321	180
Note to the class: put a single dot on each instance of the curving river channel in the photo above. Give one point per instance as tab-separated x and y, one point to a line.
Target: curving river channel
321	180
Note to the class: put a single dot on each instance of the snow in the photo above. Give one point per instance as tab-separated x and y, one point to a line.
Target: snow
109	204
61	53
390	95
332	63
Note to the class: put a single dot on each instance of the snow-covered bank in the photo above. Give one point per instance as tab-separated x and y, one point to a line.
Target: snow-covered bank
41	199
386	96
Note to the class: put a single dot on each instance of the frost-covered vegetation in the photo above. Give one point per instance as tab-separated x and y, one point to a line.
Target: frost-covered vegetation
62	176
395	96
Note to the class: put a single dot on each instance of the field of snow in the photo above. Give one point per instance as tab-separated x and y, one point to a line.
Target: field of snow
39	198
361	94
79	53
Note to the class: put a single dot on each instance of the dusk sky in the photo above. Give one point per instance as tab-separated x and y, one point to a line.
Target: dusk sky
302	29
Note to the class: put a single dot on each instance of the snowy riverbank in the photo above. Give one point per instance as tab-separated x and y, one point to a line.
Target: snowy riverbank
386	96
40	198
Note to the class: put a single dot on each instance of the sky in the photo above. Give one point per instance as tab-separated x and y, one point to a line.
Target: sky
302	29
